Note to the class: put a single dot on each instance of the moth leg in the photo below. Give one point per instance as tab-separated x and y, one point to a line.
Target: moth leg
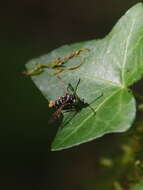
94	112
69	110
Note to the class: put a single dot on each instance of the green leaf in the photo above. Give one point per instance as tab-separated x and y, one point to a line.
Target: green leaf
110	67
138	186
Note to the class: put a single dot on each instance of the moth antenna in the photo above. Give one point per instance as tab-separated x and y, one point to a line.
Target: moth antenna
77	85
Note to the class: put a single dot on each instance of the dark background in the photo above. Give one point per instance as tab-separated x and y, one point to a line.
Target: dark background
28	29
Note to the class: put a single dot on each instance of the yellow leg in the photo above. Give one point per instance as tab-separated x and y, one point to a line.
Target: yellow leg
80	50
74	67
57	64
35	71
60	70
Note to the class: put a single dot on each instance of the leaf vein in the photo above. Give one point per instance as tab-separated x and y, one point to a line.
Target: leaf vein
126	50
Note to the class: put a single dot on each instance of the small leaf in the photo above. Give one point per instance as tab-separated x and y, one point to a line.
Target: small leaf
110	67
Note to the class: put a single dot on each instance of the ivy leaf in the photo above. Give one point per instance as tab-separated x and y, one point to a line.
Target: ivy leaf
110	67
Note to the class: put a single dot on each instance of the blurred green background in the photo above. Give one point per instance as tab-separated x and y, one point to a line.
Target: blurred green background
29	29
